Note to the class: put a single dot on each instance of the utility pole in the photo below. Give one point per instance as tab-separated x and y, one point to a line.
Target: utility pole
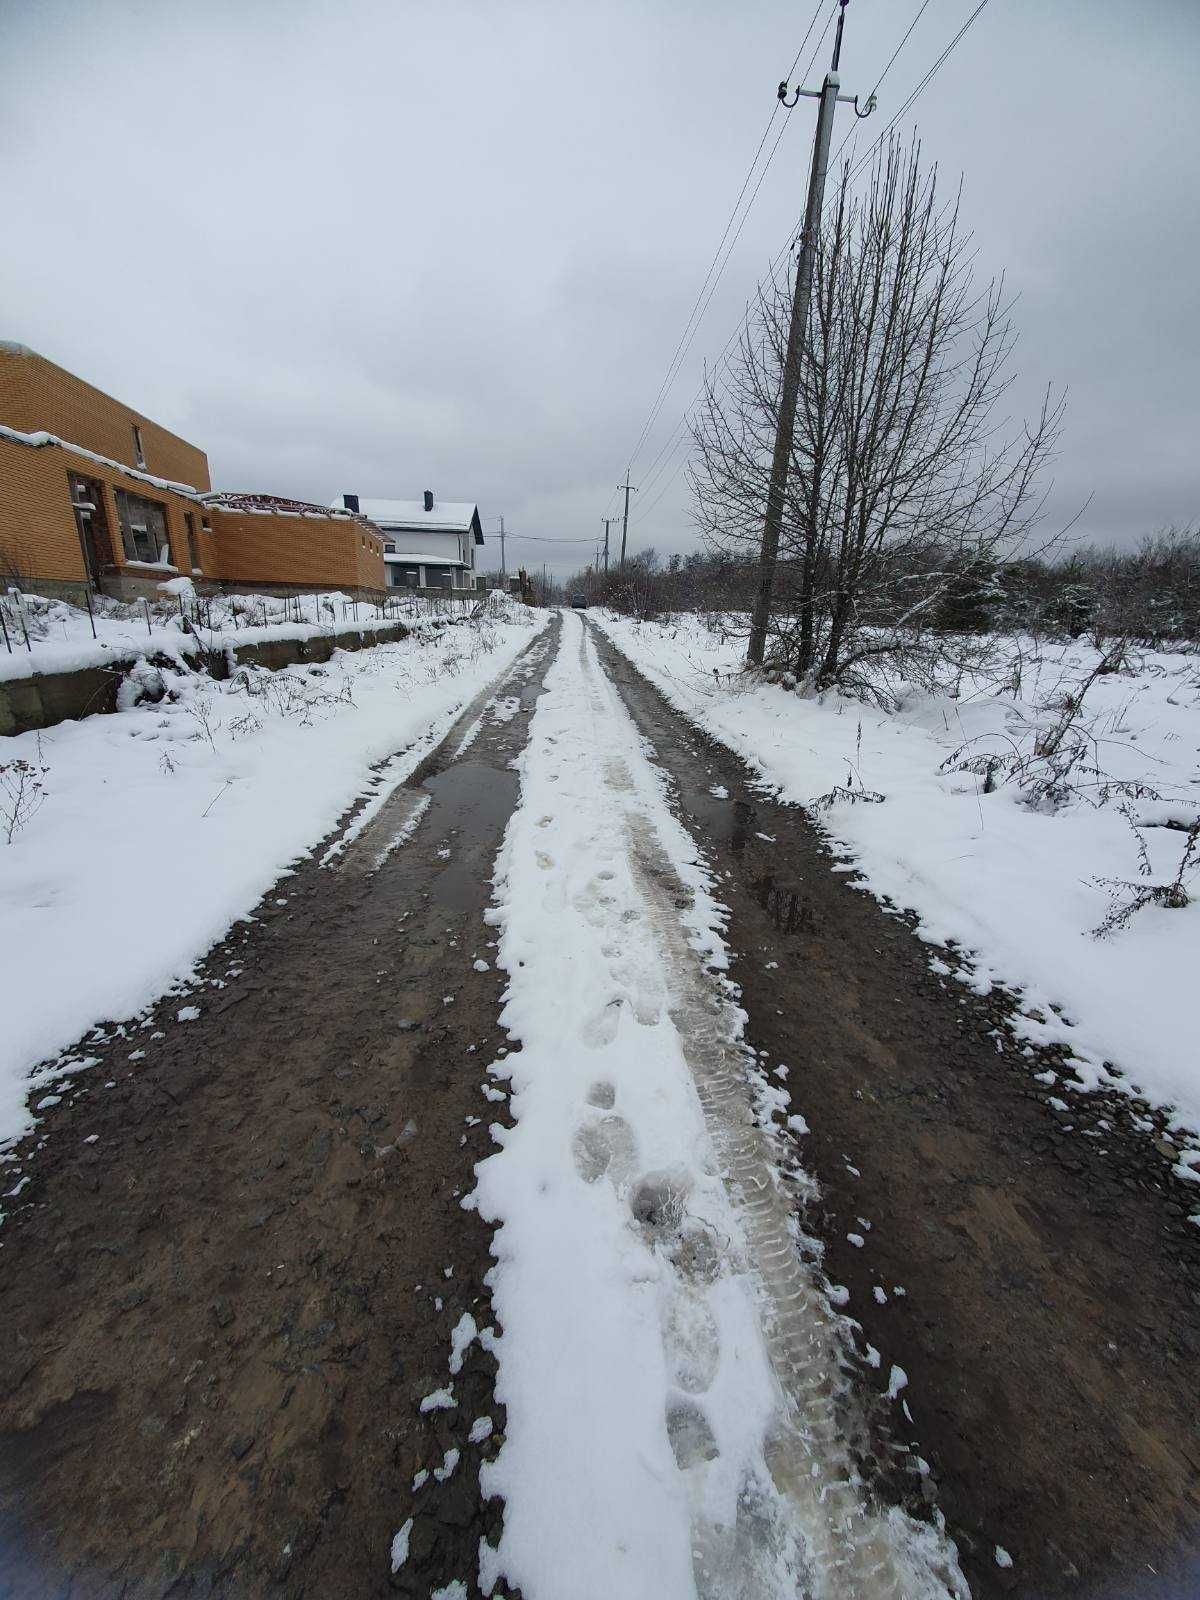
503	569
797	331
629	489
606	521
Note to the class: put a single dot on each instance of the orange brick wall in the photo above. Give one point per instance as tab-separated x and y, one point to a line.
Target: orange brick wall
332	552
37	526
38	537
36	395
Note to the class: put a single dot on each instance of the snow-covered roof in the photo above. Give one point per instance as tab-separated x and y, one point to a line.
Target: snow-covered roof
423	561
447	516
39	439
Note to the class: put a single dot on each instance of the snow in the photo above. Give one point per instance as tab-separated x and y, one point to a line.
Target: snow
39	440
462	1334
419	559
400	1546
439	1400
452	516
224	788
1013	885
643	1344
61	633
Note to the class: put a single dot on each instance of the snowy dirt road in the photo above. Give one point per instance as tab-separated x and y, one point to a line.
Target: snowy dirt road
785	1264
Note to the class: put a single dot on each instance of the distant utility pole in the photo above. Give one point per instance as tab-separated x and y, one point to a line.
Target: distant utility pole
503	569
606	521
629	489
793	361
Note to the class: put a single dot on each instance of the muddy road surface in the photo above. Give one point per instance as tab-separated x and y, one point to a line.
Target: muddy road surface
235	1269
238	1265
1031	1272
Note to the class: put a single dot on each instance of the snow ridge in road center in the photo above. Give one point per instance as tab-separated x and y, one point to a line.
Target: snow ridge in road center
656	1445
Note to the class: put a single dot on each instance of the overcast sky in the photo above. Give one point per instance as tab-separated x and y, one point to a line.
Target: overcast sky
386	247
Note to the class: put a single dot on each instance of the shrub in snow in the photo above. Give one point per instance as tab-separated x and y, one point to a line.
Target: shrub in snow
22	791
1128	897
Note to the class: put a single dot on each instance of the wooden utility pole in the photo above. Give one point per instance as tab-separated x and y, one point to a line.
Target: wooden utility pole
606	521
629	489
503	571
785	426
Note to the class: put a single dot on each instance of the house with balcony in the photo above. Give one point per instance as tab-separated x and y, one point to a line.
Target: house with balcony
428	543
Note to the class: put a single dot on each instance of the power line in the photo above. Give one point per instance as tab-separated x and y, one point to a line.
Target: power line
857	167
534	538
919	90
701	302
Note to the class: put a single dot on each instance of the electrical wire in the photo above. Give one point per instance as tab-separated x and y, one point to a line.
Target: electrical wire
717	265
855	168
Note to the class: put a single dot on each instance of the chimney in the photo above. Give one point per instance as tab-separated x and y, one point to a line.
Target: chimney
350	501
429	499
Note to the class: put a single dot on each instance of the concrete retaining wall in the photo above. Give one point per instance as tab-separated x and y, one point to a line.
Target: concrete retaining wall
45	698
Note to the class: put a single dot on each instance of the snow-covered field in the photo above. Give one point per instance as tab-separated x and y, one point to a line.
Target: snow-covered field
1014	874
667	1359
151	830
41	635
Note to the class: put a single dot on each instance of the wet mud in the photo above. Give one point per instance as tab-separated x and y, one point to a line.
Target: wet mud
232	1274
1031	1273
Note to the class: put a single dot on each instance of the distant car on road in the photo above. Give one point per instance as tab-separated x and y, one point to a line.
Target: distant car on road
578	603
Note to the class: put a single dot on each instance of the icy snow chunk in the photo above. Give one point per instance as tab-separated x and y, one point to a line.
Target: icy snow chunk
880	1294
400	1546
897	1380
856	1239
452	1591
480	965
187	1014
461	1336
421	1478
449	1462
439	1400
1003	1559
481	1429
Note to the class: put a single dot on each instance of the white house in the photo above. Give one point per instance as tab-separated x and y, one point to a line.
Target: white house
427	543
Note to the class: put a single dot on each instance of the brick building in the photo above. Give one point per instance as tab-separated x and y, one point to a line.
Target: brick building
92	493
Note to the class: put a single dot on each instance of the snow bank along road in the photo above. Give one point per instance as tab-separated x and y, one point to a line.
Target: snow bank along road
787	1261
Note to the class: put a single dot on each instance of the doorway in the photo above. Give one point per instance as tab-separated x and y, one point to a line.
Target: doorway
91	523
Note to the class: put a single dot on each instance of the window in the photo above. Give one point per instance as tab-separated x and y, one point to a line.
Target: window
390	549
143	529
139	455
403	577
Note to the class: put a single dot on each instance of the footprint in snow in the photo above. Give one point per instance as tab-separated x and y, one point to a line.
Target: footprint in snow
605	1148
690	1434
691	1342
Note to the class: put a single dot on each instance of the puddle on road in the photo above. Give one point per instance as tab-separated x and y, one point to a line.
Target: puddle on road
530	693
726	821
472	802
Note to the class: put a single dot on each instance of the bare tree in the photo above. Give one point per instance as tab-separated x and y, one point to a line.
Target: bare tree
904	476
